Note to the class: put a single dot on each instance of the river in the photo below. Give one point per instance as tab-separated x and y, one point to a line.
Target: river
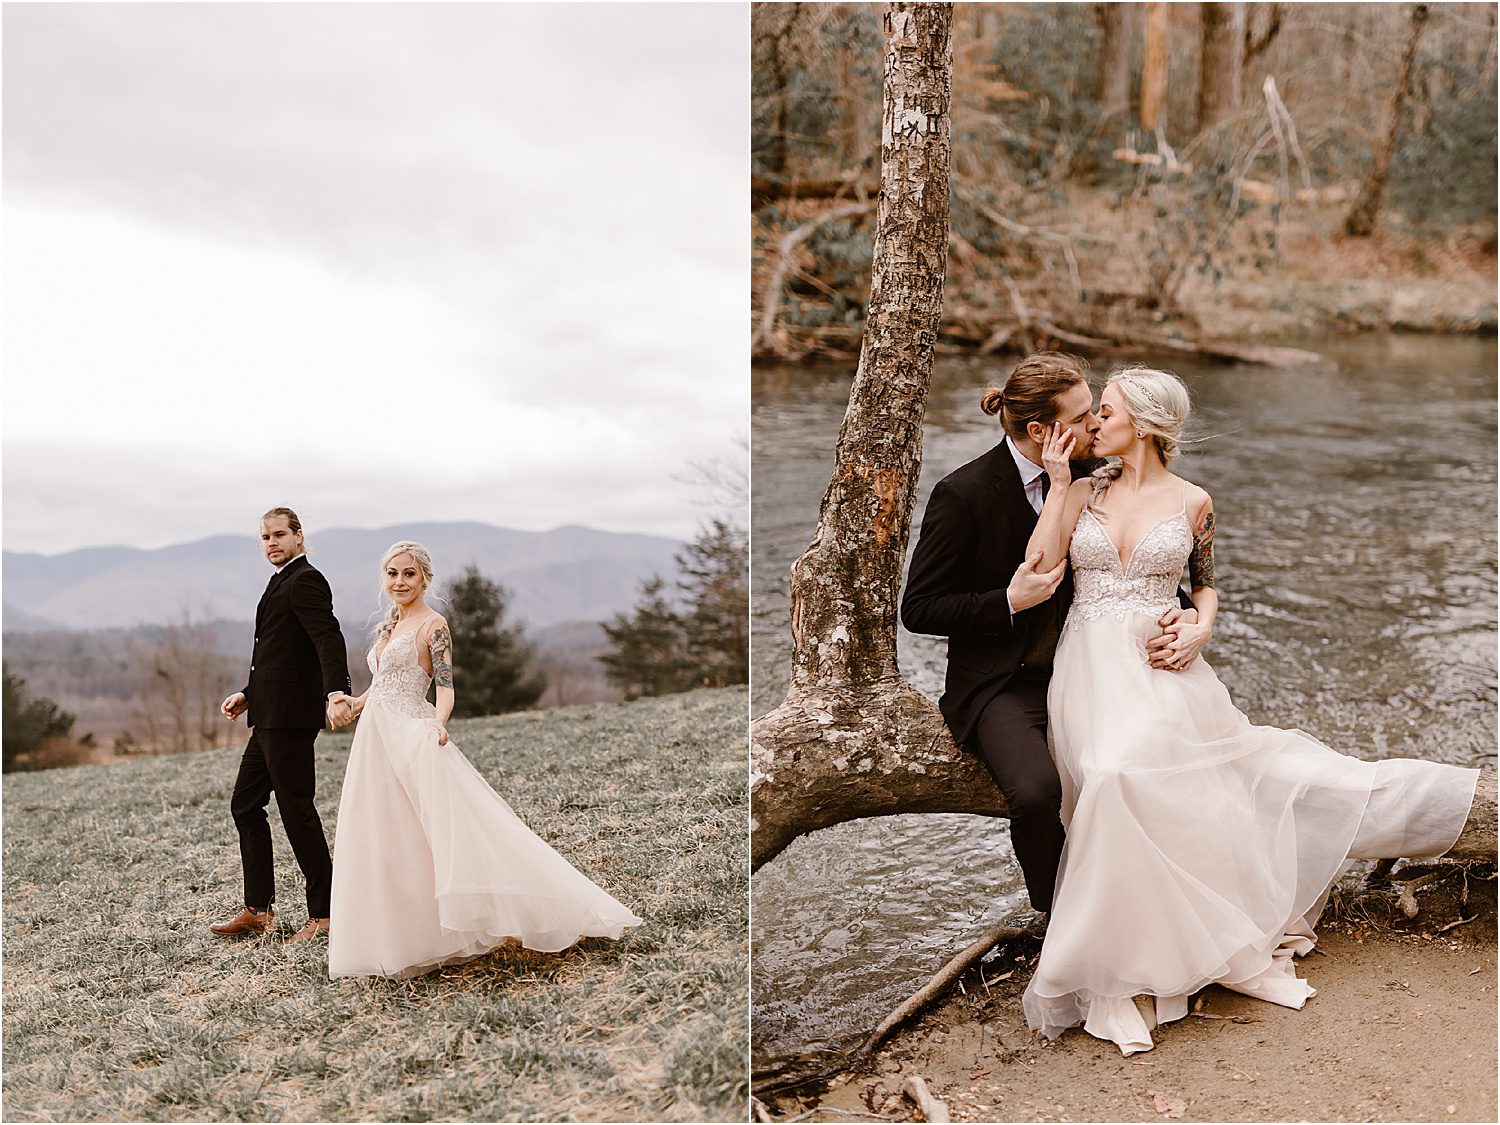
1356	564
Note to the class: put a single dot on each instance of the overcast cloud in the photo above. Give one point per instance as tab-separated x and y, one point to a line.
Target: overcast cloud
377	262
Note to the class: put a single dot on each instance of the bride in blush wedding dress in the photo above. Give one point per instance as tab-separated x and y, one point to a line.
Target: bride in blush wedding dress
431	866
1200	848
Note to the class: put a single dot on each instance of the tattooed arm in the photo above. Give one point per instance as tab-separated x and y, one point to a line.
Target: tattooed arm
440	650
1182	640
1201	563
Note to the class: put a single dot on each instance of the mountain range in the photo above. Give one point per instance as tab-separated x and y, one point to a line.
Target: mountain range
570	573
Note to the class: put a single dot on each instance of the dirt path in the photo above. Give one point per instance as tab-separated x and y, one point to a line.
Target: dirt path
1403	1029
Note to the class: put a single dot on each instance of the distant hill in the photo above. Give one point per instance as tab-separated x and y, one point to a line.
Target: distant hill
17	620
568	574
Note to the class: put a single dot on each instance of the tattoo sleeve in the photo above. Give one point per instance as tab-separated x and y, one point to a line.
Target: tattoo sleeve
1201	561
441	646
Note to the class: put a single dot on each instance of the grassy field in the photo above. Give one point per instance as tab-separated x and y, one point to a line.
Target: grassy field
120	1005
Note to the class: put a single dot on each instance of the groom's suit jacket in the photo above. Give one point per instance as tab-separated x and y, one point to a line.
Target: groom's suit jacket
299	655
973	537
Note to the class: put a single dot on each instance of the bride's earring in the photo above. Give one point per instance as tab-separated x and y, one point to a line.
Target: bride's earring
1139	434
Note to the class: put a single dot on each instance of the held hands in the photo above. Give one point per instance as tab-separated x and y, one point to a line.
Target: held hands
1057	451
233	706
340	710
1181	641
1029	586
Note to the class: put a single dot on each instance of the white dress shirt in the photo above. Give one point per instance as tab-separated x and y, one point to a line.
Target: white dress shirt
1031	475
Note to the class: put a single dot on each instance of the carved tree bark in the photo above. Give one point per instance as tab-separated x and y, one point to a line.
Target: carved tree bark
1219	74
852	735
1360	222
1114	59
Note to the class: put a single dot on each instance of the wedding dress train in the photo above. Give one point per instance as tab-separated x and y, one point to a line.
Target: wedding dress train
430	865
1200	848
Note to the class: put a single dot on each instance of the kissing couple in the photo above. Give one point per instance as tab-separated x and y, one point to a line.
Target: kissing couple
1172	843
431	866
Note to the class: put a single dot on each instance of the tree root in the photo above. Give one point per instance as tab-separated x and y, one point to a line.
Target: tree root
916	1089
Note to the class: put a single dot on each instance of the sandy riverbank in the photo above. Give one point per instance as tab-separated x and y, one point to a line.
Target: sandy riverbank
1403	1029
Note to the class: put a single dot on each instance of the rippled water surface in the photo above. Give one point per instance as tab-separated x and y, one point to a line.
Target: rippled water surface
1356	566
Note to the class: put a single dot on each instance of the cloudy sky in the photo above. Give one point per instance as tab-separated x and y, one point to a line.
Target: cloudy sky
376	262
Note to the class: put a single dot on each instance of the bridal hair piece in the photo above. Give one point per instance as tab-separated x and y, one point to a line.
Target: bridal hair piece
1030	394
1158	405
424	564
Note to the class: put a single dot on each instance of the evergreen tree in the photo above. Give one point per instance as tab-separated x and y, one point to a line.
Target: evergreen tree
28	720
492	664
650	654
660	648
715	578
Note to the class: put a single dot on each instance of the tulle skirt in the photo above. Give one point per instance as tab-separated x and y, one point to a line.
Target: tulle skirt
432	867
1200	848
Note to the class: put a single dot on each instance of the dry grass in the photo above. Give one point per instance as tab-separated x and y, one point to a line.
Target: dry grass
119	1005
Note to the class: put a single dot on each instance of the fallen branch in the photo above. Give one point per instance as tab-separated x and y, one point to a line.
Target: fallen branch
940	983
765	188
1263	354
1167	161
1455	925
771	299
916	1089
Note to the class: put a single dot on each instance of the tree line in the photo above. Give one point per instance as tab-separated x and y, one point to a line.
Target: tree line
169	680
1114	163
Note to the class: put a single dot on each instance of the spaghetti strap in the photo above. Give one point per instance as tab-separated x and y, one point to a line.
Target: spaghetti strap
1184	498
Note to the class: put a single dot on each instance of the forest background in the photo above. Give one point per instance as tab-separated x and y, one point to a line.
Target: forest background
1181	177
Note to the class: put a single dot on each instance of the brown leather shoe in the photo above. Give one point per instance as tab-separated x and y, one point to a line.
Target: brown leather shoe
246	923
314	927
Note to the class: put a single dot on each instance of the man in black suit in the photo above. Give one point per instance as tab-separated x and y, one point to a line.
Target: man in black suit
970	581
299	677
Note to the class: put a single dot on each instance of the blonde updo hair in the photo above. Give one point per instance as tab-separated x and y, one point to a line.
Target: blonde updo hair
1158	404
1030	394
424	564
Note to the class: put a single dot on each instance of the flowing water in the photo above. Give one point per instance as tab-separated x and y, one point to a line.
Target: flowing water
1356	564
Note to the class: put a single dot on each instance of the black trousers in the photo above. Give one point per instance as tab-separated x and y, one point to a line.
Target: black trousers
281	762
1011	737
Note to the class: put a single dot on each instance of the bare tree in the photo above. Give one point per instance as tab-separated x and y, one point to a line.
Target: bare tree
1219	71
182	677
1360	222
1114	59
1154	68
1262	25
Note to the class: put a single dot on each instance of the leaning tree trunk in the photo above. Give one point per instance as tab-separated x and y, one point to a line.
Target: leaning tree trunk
852	738
1360	222
1219	66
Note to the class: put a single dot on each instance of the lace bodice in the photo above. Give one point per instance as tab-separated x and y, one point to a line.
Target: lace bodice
1148	581
400	682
